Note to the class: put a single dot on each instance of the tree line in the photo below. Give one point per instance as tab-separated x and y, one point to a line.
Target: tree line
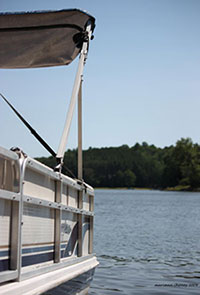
141	166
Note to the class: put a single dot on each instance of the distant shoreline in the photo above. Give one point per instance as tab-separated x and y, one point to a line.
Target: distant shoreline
125	188
169	189
142	166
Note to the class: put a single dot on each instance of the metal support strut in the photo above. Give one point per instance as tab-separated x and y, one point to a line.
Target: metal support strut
76	87
80	159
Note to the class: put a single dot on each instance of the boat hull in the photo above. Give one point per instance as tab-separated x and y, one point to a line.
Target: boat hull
73	279
77	286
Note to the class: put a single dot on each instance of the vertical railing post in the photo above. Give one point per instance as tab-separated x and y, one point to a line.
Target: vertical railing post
22	162
58	199
15	235
91	234
91	208
80	224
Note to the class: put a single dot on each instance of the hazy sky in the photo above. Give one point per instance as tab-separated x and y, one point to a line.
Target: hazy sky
141	80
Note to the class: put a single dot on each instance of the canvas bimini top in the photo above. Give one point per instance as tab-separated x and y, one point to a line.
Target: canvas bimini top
42	39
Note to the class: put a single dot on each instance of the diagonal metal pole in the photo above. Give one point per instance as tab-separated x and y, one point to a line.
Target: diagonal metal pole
65	134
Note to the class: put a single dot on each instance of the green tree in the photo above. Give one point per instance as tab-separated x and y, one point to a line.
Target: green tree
142	165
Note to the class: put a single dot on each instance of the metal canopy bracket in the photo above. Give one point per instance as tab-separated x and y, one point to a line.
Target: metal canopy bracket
76	90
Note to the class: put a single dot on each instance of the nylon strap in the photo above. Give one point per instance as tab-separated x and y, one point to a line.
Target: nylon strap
37	136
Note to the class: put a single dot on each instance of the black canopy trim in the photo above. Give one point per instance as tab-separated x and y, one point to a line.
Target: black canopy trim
72	26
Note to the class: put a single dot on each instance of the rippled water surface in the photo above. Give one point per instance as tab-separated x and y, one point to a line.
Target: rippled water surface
147	242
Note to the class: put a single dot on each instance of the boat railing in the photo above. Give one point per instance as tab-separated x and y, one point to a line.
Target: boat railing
46	218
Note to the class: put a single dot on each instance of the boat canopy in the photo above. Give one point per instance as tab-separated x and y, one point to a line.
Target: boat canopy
42	39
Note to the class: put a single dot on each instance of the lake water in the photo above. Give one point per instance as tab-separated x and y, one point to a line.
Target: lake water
147	242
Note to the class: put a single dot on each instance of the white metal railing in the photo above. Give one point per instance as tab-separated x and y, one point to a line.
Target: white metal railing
46	217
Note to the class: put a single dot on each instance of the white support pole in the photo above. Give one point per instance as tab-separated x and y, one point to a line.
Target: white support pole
80	160
64	138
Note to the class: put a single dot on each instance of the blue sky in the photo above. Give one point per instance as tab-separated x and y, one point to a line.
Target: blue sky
141	80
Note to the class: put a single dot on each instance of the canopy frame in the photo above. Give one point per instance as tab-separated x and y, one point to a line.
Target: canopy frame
76	92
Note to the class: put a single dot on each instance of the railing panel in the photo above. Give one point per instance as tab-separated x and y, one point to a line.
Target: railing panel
86	235
9	214
73	197
65	192
86	202
5	223
39	185
9	175
69	234
37	234
91	203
